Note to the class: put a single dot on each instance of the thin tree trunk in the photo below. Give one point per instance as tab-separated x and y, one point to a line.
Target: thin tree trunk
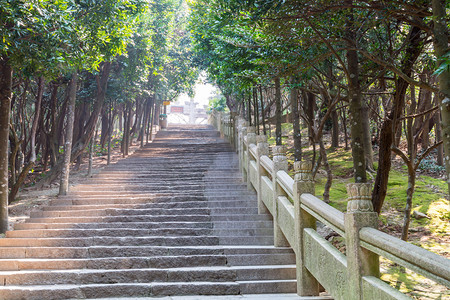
368	150
64	182
91	153
249	110
310	102
37	113
144	123
278	112
335	129
354	92
110	130
296	122
323	155
441	47
409	197
5	109
152	118
440	149
256	110
263	118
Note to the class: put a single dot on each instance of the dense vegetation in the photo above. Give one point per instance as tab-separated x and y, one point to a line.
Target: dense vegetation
374	73
68	65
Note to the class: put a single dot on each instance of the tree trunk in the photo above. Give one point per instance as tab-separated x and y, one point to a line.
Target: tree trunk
440	42
310	103
37	113
152	119
91	154
390	124
344	125
64	182
440	149
111	117
296	122
368	150
105	126
249	110
278	112
323	155
335	129
409	196
263	118
256	110
120	119
5	109
354	95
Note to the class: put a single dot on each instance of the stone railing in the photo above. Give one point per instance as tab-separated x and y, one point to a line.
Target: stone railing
296	210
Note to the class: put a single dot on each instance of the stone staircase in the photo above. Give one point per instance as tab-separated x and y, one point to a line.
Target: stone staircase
172	219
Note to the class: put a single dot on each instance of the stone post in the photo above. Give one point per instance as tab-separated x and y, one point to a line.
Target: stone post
219	123
307	285
251	139
280	163
233	116
360	261
262	149
242	133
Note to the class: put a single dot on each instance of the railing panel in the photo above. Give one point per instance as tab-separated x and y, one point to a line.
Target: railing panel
245	161
253	174
320	257
374	288
267	193
286	219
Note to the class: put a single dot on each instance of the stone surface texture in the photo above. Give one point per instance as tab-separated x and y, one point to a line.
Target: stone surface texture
171	220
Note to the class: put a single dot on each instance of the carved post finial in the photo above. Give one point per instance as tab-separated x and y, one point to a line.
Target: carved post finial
251	135
303	171
279	158
262	145
359	197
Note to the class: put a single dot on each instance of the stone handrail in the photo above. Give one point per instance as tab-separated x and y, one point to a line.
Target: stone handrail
267	163
324	213
286	183
296	210
408	255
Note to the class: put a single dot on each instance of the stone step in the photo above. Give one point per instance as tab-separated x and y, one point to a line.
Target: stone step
98	200
124	225
123	232
134	218
144	211
114	232
243	232
147	275
245	240
160	185
241	217
234	252
122	212
167	205
268	286
110	241
154	289
39	292
112	263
